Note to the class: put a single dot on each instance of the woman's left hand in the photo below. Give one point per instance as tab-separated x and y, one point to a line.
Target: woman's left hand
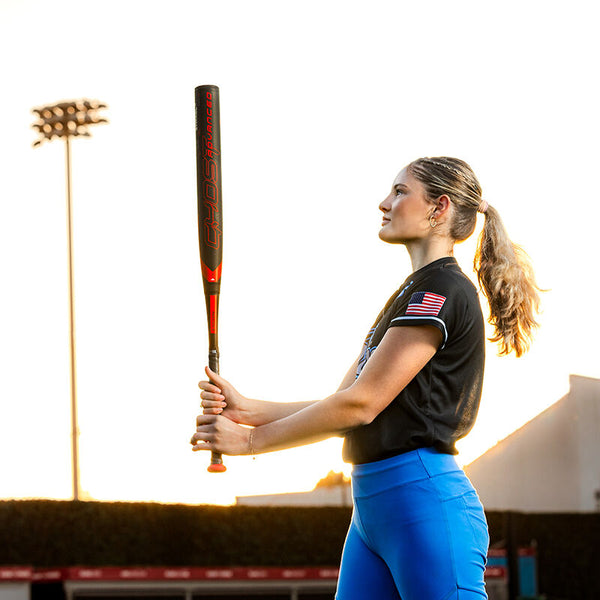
219	434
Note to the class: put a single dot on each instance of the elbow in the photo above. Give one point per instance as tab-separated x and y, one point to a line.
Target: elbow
358	411
366	416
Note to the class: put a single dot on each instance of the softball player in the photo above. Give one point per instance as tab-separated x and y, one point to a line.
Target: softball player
418	529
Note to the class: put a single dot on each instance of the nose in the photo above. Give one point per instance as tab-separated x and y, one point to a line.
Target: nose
385	205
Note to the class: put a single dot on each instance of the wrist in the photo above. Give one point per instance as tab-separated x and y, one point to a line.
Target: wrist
251	412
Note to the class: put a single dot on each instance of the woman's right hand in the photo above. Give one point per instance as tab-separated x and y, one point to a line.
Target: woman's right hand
220	397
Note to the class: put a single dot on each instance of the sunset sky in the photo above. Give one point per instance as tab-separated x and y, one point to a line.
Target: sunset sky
322	103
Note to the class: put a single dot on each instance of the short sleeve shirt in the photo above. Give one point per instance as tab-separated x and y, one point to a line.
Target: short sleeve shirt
439	405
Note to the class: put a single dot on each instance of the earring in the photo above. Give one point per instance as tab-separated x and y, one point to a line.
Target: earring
432	221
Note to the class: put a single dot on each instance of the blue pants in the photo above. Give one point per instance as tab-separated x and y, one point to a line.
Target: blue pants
418	532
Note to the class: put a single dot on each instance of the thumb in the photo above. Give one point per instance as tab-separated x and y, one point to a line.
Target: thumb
214	377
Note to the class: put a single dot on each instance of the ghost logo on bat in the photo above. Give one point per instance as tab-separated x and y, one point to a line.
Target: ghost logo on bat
211	180
210	150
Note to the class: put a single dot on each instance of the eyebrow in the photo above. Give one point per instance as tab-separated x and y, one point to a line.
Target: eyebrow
399	185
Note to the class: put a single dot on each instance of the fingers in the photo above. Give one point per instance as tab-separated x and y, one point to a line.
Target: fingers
202	436
208	421
219	434
200	444
209	386
213	401
205	433
213	405
202	447
210	411
212	396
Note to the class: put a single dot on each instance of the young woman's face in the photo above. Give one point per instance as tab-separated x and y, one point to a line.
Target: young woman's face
405	211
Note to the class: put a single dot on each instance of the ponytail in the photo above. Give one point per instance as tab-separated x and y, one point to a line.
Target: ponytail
503	269
506	278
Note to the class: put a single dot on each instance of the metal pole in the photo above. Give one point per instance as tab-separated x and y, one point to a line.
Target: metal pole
74	428
67	119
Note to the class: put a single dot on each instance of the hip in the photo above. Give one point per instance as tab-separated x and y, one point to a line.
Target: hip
414	486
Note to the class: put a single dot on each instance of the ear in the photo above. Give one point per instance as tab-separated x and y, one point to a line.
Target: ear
442	206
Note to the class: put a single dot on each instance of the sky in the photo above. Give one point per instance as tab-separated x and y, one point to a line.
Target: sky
322	103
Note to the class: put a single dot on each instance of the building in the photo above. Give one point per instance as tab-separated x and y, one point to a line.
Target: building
333	490
552	463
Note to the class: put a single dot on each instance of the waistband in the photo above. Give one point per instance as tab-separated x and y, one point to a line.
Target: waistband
415	465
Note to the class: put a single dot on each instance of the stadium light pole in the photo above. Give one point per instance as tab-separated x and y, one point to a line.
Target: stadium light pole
66	120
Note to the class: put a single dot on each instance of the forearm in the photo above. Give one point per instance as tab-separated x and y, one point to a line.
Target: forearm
261	412
317	421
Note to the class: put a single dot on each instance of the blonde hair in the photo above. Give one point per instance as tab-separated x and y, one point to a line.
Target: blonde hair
503	269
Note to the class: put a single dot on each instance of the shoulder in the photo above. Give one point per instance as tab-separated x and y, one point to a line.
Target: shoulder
450	282
443	297
450	273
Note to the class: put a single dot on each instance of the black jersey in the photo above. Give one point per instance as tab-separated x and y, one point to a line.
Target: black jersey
439	405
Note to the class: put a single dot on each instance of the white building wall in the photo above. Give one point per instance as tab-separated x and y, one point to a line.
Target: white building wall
552	463
586	392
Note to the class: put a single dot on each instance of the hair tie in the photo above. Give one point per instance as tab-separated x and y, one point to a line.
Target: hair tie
483	206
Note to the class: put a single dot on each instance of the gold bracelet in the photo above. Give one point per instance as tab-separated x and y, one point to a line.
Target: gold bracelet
252	443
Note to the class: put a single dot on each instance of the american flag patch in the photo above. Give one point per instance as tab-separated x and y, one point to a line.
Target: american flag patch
425	304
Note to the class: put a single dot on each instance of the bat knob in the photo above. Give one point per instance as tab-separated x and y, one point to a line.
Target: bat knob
216	468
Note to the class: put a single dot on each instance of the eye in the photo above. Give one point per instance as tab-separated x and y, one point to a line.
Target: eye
399	191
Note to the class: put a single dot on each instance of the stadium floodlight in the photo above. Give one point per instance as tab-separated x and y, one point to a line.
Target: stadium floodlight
66	120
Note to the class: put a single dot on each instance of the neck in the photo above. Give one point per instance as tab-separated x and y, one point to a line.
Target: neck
422	254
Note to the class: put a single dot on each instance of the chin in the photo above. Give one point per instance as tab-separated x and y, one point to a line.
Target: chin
385	237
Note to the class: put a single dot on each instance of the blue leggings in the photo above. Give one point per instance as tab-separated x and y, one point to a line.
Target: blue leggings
418	532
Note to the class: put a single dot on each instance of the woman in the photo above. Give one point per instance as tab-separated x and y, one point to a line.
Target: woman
418	530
